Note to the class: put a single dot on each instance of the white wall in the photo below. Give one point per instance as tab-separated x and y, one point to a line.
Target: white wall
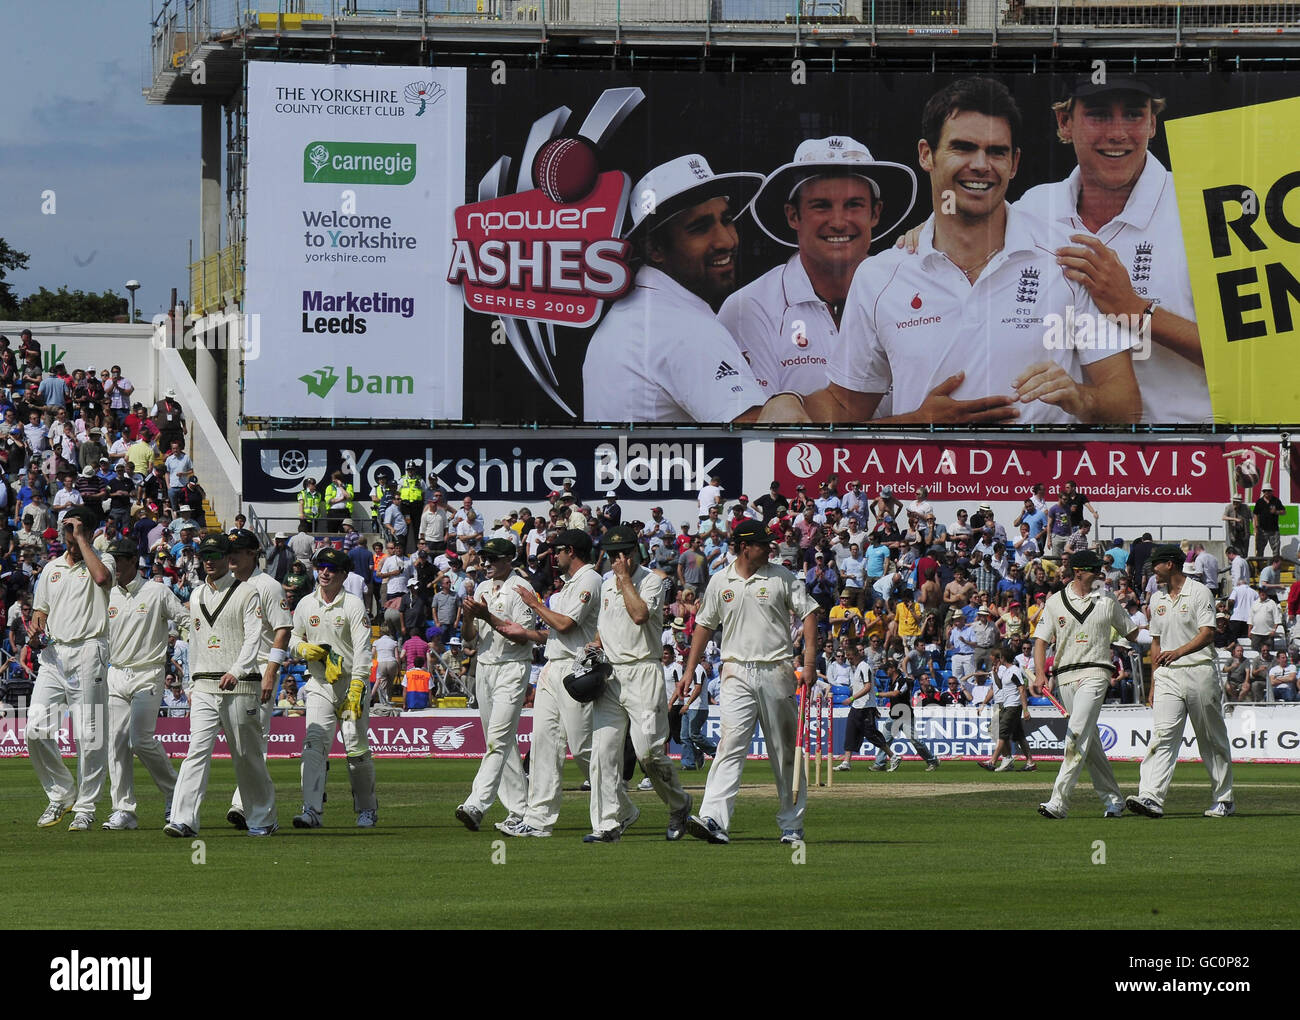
102	344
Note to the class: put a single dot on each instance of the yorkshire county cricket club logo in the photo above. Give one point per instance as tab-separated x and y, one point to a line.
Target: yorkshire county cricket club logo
549	254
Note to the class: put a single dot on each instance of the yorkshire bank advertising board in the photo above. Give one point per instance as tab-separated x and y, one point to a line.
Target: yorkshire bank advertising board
673	249
353	173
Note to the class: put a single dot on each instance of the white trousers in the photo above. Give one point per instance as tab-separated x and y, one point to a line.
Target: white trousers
755	692
134	697
71	677
265	711
321	722
633	703
1083	699
558	722
1183	692
500	690
235	715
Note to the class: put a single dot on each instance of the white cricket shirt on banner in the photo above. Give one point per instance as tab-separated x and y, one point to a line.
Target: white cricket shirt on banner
1148	238
912	321
660	354
784	330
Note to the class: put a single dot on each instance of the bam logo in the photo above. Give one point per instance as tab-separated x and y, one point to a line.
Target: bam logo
322	380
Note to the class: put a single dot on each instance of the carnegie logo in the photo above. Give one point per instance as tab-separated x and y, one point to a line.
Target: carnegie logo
75	973
358	163
1108	736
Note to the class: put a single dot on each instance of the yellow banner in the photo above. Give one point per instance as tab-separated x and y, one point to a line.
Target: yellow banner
1236	174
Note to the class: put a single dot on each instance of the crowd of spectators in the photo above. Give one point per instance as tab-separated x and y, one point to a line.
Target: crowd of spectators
902	587
84	438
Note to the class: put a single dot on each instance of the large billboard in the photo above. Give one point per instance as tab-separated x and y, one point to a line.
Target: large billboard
352	175
716	248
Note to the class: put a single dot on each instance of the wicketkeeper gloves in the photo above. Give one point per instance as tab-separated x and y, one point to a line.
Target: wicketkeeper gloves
312	653
351	709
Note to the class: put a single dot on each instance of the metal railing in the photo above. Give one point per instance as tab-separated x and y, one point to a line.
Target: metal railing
217	280
182	26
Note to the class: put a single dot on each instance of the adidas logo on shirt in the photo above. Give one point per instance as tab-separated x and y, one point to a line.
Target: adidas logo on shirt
724	370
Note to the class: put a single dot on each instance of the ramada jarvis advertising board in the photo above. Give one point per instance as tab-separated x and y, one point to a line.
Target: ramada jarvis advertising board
978	468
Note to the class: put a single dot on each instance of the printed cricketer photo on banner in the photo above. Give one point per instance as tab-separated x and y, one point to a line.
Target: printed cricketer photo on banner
582	247
751	274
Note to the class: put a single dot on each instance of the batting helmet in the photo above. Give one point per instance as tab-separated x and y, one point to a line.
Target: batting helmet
587	680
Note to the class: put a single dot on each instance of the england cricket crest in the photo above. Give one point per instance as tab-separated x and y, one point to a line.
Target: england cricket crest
1141	269
550	253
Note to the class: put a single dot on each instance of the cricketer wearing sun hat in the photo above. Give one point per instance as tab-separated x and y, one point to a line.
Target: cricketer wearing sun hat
505	630
226	633
331	632
660	353
830	202
1185	686
1132	259
1078	621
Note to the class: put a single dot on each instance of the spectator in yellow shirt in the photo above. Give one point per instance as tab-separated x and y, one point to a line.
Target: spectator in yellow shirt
845	620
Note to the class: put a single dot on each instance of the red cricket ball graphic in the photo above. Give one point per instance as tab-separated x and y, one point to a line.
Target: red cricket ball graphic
566	169
916	300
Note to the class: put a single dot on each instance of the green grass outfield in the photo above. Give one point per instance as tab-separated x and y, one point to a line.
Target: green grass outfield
958	848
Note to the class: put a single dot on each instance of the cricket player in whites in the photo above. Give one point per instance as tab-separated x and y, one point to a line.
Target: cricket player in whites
1182	656
225	633
139	612
630	628
754	602
331	633
70	614
558	719
273	609
1078	620
505	630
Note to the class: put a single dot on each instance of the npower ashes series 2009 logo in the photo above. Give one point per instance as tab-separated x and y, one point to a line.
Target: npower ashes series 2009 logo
549	253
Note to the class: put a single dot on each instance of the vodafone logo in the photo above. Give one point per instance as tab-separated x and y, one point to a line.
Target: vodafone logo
450	738
916	300
804	460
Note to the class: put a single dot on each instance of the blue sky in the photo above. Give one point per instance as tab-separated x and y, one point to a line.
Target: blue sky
124	173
